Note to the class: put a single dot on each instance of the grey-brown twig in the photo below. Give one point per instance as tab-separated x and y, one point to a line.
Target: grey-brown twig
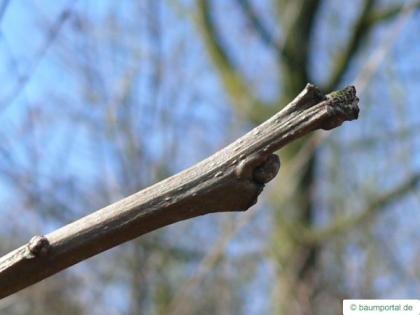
229	180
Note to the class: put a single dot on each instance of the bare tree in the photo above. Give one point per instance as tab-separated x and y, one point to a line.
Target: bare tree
290	41
91	92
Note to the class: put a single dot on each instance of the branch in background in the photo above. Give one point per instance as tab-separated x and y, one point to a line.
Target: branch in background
50	38
380	15
376	59
258	25
241	95
360	31
294	56
342	225
229	180
368	19
179	303
302	157
370	143
3	8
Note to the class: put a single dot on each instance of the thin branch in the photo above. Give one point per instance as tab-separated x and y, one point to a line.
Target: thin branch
240	93
229	180
381	15
3	8
294	56
179	304
368	19
39	55
371	143
371	67
384	47
258	25
344	224
342	61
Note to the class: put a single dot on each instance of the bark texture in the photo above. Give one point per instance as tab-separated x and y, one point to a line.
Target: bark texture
229	180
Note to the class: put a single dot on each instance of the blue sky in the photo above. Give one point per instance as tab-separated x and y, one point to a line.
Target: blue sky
39	131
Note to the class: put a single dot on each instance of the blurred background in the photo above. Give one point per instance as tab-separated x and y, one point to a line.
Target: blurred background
100	99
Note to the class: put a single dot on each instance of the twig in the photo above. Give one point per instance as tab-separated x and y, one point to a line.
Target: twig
385	46
179	304
229	180
378	205
39	55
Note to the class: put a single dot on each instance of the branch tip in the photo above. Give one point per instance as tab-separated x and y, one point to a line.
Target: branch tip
341	105
213	185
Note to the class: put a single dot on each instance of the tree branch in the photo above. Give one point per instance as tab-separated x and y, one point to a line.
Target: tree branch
229	180
241	95
368	19
294	56
342	60
380	15
258	25
343	224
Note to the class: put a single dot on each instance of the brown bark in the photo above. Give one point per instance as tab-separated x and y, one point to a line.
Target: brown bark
229	180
